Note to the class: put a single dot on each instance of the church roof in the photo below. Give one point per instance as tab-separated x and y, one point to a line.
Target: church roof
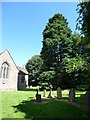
2	52
22	70
6	51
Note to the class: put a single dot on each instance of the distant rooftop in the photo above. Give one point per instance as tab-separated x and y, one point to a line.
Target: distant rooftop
22	69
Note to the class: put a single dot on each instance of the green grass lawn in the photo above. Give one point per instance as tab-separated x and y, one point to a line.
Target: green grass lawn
22	104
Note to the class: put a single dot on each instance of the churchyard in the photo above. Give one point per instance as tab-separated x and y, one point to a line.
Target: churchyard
23	104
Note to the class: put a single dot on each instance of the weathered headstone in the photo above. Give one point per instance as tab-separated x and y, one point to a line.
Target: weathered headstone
59	93
71	95
36	91
44	93
38	97
50	93
87	99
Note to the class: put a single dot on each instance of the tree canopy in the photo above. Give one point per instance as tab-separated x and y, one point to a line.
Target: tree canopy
55	37
59	46
65	57
84	26
33	67
83	21
62	52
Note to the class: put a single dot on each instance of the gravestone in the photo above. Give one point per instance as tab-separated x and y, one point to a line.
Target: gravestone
59	93
87	99
38	97
71	95
50	92
44	93
36	91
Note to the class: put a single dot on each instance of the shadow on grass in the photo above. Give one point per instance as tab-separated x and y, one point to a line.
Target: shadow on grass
80	98
49	108
32	109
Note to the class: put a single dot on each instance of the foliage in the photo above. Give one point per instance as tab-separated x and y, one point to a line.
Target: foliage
77	66
55	36
44	86
65	57
65	54
47	77
83	25
56	45
33	67
62	53
84	18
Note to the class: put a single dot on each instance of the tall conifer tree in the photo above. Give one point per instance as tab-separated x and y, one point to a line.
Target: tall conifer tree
55	38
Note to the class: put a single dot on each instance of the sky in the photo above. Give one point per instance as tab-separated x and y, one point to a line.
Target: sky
24	22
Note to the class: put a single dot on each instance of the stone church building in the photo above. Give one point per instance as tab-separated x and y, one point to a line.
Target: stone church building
12	77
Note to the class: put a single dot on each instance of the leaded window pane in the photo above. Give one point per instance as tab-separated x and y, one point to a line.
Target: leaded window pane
4	71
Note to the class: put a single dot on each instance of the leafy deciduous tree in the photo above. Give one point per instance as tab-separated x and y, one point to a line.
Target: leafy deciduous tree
83	25
33	67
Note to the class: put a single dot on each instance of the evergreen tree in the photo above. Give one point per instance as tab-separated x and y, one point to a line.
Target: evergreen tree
56	46
63	54
55	38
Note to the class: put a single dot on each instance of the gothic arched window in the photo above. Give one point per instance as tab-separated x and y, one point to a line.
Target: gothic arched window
4	71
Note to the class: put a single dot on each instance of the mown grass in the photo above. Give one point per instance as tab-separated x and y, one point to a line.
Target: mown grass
22	104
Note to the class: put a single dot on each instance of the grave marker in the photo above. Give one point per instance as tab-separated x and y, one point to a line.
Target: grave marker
59	93
71	95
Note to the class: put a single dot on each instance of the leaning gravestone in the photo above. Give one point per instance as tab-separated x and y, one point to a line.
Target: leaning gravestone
71	95
87	99
38	97
44	93
50	93
59	93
